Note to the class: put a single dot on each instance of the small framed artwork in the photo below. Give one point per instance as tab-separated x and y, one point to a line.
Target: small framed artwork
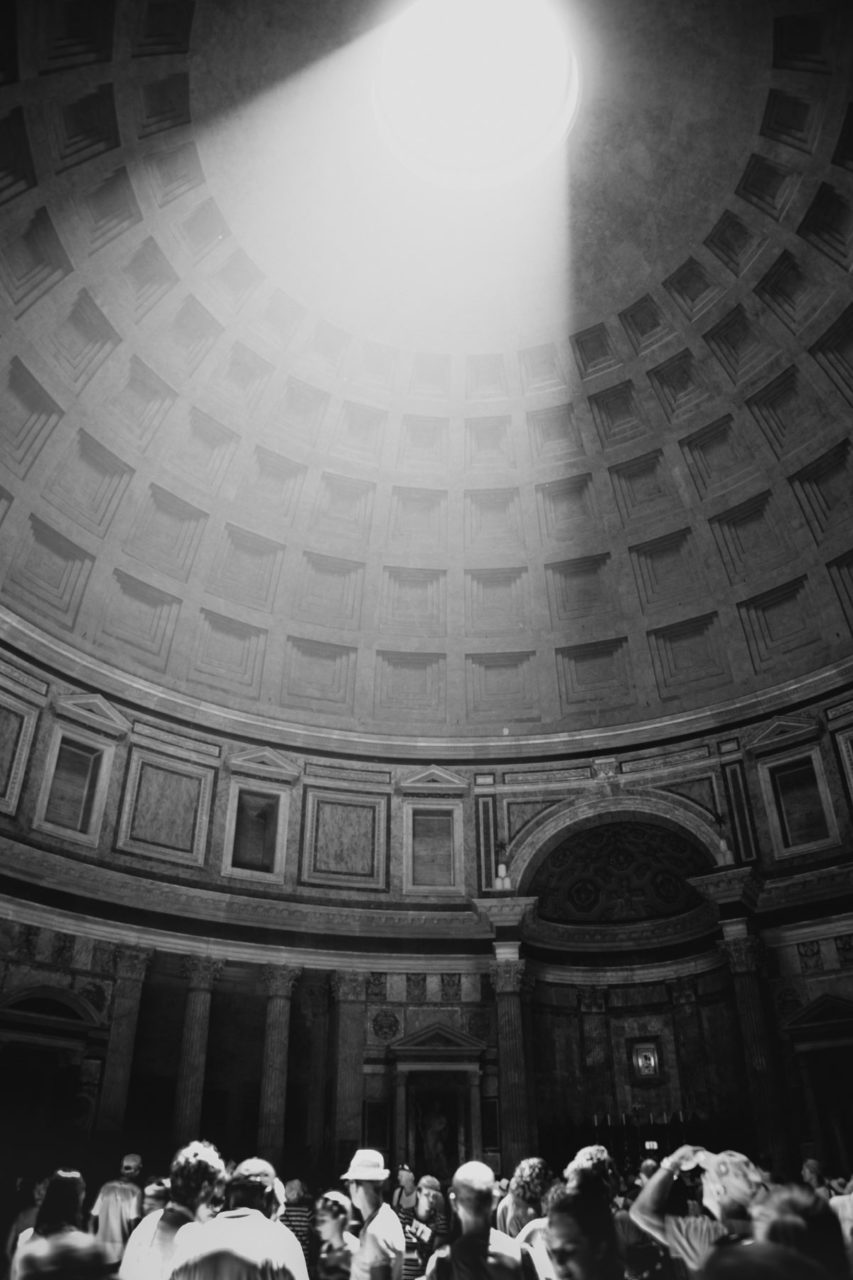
645	1061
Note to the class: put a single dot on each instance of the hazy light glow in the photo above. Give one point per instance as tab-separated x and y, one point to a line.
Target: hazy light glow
475	92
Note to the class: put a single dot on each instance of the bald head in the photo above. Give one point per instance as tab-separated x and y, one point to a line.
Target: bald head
471	1190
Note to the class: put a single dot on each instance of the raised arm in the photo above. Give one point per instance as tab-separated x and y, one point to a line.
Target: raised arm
649	1209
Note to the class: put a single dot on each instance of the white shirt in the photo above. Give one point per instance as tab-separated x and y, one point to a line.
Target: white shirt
381	1247
148	1252
238	1244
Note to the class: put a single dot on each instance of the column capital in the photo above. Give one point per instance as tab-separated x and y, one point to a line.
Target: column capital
682	991
592	999
503	912
201	972
743	952
280	979
348	986
132	962
507	976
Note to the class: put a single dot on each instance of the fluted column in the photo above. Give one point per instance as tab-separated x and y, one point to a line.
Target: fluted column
201	973
278	980
131	965
743	953
689	1047
507	978
475	1110
313	1001
349	992
401	1137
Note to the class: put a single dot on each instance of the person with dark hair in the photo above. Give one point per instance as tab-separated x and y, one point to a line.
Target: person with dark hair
481	1252
57	1245
298	1214
118	1208
25	1217
332	1214
382	1243
194	1175
426	1229
523	1202
404	1196
760	1262
242	1242
802	1220
579	1242
813	1176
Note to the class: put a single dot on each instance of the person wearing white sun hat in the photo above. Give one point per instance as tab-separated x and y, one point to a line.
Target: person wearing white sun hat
382	1244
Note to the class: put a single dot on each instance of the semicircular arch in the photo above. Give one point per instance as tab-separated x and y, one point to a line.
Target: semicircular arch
68	1003
531	847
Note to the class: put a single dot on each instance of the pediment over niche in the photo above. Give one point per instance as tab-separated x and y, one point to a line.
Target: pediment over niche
434	781
781	731
437	1042
828	1016
264	763
92	710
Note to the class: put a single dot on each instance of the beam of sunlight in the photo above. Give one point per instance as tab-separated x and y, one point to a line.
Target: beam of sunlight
298	160
475	92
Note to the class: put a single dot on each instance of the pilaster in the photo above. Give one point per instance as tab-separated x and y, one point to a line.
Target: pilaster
131	966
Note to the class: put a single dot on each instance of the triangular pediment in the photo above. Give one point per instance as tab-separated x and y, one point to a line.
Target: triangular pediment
782	730
436	1040
822	1015
92	710
434	781
263	762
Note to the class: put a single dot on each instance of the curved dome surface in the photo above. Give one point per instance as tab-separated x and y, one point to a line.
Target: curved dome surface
288	431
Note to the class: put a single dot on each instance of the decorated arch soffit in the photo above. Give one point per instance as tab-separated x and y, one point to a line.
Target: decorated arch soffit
625	872
528	851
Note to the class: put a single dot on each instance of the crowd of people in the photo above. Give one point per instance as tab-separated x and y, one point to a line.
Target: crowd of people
697	1213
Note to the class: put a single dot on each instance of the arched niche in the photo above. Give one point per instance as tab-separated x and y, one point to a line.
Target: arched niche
50	1003
52	1049
526	854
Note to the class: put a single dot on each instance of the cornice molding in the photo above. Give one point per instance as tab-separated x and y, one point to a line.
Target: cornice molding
76	665
624	936
97	883
226	950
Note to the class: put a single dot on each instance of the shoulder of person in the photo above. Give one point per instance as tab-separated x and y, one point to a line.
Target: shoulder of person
440	1264
531	1230
500	1242
691	1238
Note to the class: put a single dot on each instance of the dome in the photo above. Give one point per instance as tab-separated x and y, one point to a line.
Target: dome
426	579
295	433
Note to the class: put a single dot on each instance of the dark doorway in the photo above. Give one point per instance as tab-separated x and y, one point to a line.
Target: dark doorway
44	1108
437	1123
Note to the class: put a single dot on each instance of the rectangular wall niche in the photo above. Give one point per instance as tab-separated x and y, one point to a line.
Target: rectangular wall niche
17	726
166	808
345	840
432	847
73	792
256	831
799	808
